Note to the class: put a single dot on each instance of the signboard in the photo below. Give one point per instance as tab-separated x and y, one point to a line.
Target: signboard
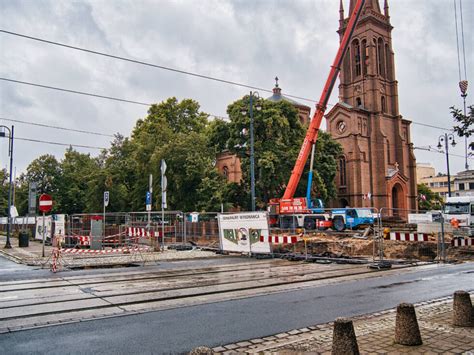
45	203
59	225
240	232
415	218
148	201
32	198
164	185
39	227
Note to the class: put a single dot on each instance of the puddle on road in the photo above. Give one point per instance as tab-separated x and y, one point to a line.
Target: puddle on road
397	284
74	268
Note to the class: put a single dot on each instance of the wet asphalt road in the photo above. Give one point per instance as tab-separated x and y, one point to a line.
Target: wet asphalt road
179	330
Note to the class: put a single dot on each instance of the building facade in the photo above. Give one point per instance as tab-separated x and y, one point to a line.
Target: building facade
464	183
378	167
426	174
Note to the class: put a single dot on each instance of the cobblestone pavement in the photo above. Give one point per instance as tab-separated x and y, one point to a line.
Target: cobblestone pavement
32	256
375	335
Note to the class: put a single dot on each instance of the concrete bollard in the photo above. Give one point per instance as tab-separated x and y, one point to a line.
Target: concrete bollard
201	350
344	341
462	309
407	331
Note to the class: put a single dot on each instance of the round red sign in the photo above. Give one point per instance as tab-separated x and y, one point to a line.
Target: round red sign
45	203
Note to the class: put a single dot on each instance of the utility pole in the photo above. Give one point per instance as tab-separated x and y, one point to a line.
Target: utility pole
10	153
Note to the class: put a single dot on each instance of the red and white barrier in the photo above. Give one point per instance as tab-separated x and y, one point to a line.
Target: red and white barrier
462	242
82	240
285	239
105	251
141	232
409	237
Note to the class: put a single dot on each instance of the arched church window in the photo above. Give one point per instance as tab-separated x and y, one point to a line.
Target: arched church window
381	57
358	102
356	54
342	171
365	57
382	104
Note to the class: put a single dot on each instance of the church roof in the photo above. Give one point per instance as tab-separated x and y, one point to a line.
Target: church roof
277	96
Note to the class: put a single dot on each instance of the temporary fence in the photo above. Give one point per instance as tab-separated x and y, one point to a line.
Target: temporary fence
427	235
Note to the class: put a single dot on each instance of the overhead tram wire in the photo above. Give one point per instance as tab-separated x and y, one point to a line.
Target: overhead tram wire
149	104
57	127
75	92
58	143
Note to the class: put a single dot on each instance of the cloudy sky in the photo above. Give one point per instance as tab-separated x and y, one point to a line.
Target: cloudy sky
243	41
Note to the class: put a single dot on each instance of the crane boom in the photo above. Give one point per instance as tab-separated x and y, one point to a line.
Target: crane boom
312	133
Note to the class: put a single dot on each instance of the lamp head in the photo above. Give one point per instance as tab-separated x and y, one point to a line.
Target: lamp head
439	145
453	143
243	112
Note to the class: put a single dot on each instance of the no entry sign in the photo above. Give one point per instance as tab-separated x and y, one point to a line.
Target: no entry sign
45	203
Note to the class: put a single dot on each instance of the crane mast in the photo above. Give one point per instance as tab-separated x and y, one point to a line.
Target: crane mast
313	129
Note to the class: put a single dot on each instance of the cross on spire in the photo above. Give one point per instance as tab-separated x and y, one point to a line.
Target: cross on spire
276	81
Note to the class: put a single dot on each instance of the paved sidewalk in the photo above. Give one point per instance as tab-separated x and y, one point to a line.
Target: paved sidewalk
375	335
32	256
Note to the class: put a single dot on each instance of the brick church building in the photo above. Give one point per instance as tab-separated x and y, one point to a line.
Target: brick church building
378	167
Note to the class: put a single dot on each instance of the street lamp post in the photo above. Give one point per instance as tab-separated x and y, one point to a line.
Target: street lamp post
446	138
253	95
10	153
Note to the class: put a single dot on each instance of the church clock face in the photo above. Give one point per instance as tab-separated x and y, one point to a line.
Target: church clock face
341	126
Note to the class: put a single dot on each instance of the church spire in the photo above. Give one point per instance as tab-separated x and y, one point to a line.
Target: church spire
341	13
369	4
385	9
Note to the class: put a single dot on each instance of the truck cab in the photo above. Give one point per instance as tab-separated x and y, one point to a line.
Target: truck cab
461	210
351	218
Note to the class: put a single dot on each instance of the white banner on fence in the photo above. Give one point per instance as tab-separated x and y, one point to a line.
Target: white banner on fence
59	224
39	227
240	232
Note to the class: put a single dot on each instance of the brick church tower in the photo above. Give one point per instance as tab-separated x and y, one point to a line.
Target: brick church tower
378	168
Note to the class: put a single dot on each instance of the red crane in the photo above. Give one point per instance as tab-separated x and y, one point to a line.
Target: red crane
312	133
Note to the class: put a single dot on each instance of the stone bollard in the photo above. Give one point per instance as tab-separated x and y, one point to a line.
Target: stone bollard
344	341
201	350
407	331
462	309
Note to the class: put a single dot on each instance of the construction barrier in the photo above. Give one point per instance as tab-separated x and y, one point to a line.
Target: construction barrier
284	239
409	237
462	242
103	251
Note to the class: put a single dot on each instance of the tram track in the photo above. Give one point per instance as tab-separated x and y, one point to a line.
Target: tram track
266	275
88	300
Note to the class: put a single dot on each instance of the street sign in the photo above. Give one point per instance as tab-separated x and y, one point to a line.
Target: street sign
148	201
106	198
45	203
163	166
32	198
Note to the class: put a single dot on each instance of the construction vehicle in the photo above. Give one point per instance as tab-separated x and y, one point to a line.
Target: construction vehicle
291	212
459	211
351	218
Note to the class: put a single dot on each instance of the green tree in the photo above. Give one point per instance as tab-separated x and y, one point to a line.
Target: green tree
177	132
46	172
4	184
465	127
427	199
278	134
77	170
326	157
